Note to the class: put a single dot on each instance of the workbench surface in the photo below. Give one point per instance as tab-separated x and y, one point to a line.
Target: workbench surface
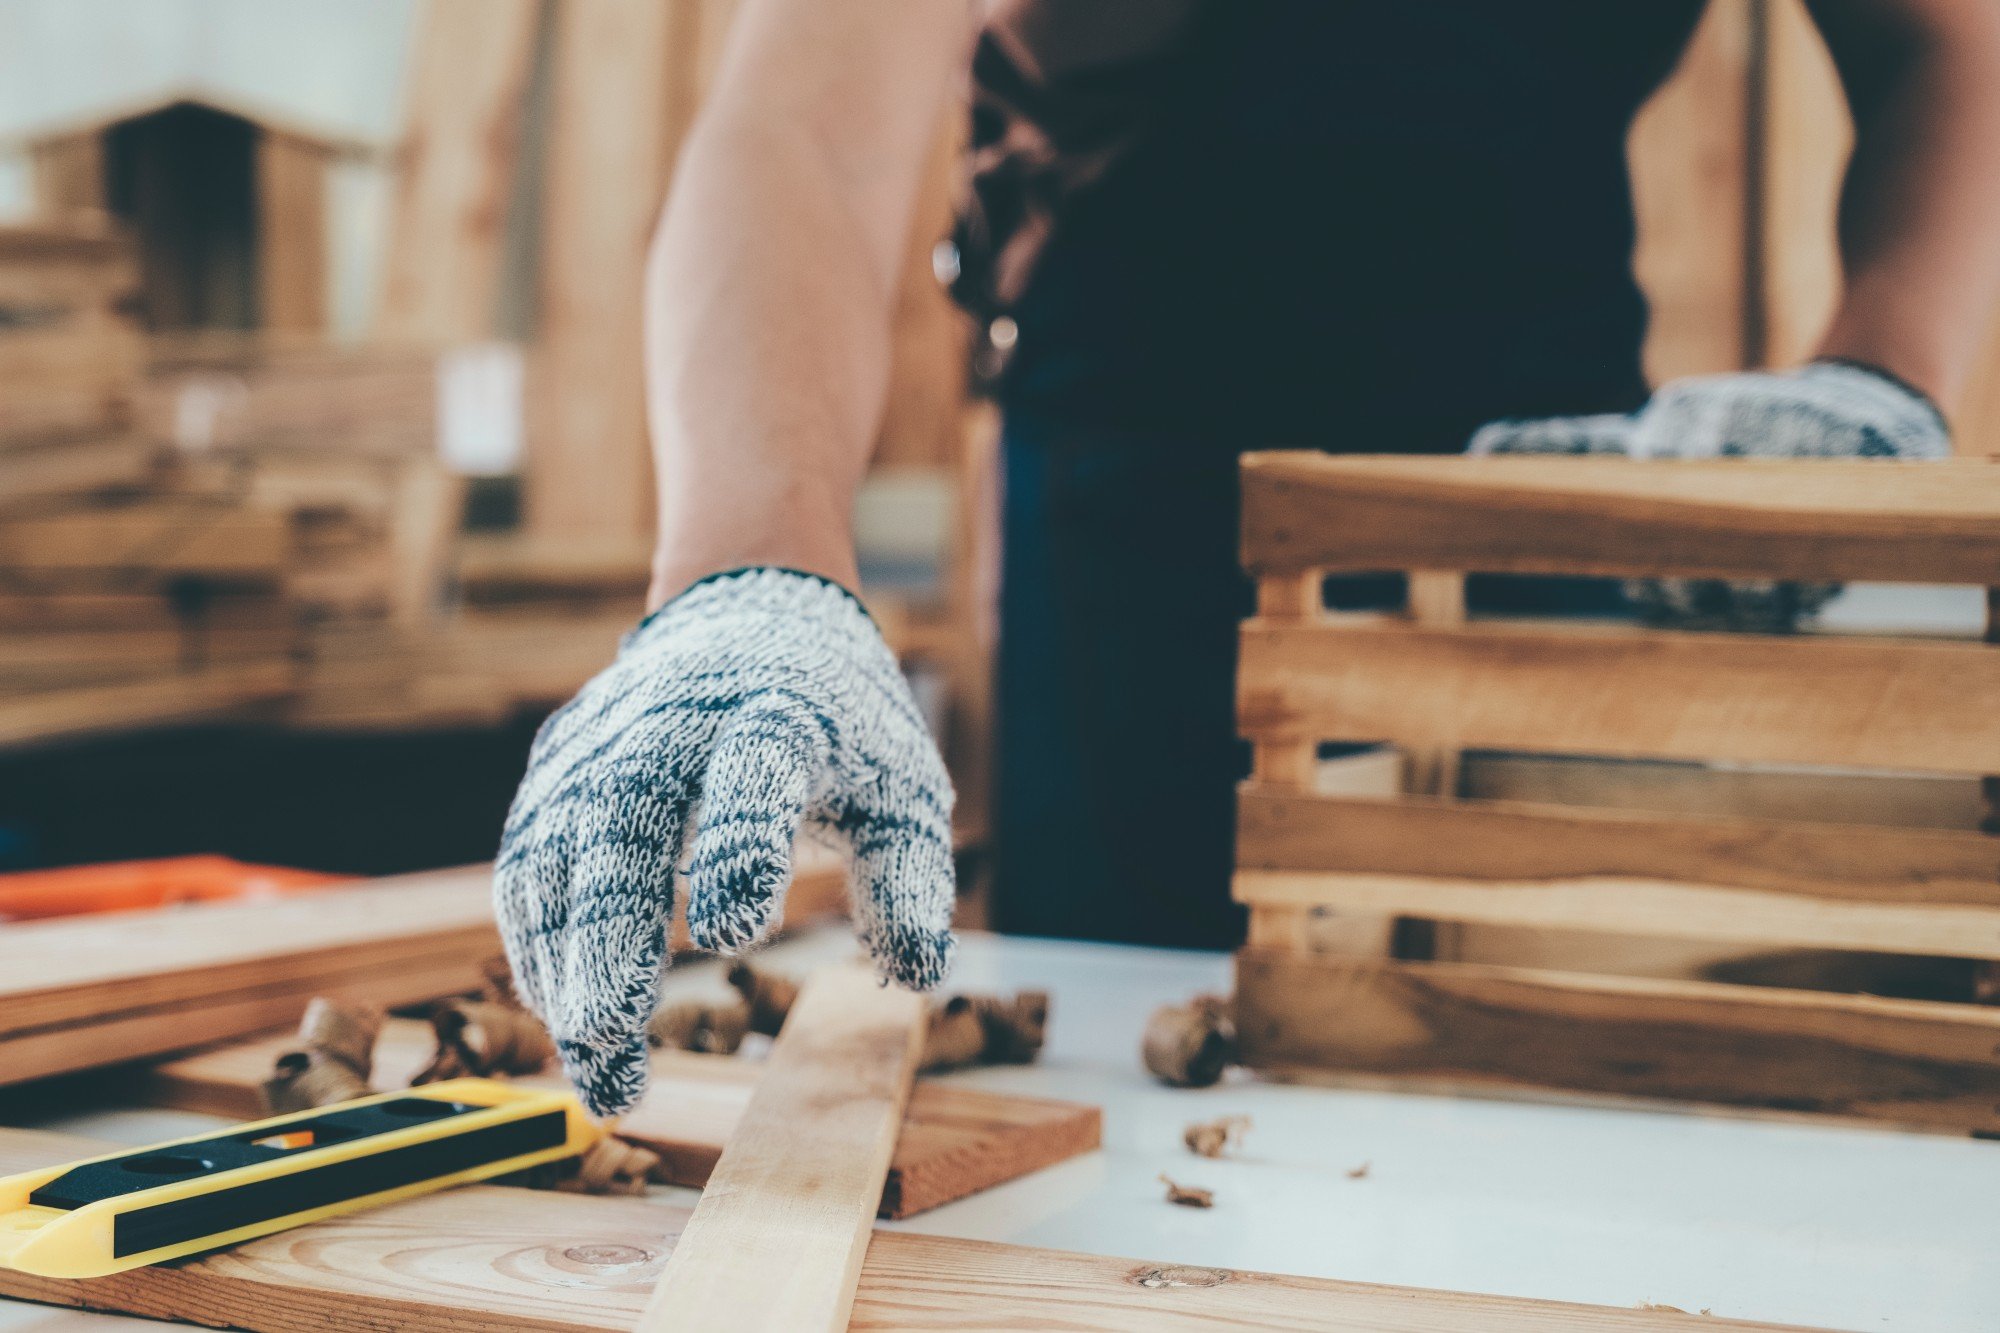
1819	1225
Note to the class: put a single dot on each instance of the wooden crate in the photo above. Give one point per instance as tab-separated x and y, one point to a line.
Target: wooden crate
1317	990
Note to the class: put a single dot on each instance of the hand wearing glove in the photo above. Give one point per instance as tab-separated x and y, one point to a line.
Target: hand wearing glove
1829	409
765	697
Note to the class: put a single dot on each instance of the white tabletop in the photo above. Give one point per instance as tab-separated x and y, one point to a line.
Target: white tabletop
1828	1226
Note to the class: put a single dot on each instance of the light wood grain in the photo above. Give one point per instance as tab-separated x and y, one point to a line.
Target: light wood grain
1909	1062
491	1259
955	1141
456	169
292	279
1855	703
1914	522
777	1240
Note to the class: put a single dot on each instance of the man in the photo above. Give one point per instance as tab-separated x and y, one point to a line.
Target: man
1213	226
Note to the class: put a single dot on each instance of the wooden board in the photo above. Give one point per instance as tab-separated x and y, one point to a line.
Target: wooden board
84	992
467	103
955	1141
777	1240
236	690
1915	522
1854	703
492	1259
158	539
1909	1062
293	282
1752	881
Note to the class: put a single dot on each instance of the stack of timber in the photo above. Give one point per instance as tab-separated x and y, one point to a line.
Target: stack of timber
70	360
105	617
1316	997
84	992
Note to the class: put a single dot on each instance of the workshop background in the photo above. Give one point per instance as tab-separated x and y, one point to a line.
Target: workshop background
323	471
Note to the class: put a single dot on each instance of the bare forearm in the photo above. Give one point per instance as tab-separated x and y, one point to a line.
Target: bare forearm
1920	216
772	282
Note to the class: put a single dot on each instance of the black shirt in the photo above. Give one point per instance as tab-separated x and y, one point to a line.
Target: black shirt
1358	226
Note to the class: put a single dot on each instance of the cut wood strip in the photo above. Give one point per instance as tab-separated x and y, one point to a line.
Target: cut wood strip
955	1141
1507	840
162	536
1916	522
1910	1062
778	1237
1859	703
492	1259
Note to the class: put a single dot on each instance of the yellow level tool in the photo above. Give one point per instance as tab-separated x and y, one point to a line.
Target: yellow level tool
128	1209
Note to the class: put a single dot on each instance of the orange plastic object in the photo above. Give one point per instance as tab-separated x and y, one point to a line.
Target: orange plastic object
125	886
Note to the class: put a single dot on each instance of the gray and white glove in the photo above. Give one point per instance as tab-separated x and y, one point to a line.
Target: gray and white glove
760	698
1829	409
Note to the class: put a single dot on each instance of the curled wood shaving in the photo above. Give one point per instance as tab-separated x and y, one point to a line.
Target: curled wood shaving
335	1055
612	1167
1188	1196
1190	1045
482	1038
1359	1172
769	996
963	1029
717	1029
1213	1138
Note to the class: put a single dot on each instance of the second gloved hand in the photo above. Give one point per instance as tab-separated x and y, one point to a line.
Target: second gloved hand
764	698
1829	409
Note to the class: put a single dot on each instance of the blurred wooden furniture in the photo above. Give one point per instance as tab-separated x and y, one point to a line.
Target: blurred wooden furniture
1436	684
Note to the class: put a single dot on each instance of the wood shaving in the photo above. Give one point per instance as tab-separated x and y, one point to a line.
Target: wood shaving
483	1038
335	1056
1188	1196
1359	1172
962	1030
1190	1045
1213	1138
695	1025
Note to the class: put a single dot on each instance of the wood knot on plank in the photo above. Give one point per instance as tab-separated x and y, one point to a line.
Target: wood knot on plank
1180	1276
606	1256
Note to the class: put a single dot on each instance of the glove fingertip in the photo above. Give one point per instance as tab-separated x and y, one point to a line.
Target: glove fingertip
912	957
609	1080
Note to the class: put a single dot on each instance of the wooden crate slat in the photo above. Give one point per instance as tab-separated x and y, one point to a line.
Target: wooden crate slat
1856	703
1910	1062
1916	522
1278	829
1663	908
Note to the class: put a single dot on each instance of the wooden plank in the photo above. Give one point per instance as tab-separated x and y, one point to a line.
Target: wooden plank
1854	703
778	1237
1915	522
955	1141
466	102
78	993
621	96
1911	1062
493	1259
163	537
1690	158
1734	791
234	690
1753	881
292	283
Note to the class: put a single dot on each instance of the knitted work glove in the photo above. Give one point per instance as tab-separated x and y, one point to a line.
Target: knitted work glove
1829	409
763	697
